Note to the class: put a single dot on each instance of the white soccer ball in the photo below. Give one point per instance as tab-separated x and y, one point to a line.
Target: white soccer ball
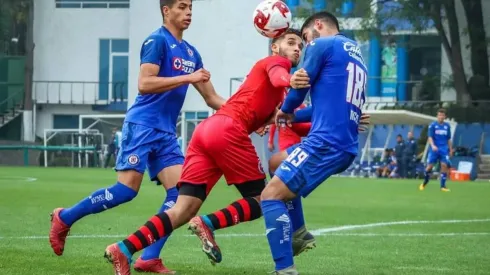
272	18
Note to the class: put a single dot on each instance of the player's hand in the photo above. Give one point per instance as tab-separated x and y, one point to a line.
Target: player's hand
262	130
200	75
300	79
270	146
451	153
364	122
434	148
283	119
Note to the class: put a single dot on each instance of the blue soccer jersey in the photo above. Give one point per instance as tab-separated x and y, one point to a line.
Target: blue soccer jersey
149	138
440	134
338	79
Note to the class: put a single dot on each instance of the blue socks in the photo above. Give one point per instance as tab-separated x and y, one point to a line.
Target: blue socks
99	201
295	209
443	180
153	251
278	232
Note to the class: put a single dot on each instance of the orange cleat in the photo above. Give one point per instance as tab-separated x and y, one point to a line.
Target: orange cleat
58	232
205	234
152	266
119	261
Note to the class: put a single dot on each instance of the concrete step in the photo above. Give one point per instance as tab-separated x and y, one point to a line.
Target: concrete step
484	167
484	176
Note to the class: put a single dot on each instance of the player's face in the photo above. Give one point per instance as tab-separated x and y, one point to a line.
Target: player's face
441	117
179	14
291	47
309	34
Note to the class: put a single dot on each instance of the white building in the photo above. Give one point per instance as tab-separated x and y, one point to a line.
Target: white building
86	57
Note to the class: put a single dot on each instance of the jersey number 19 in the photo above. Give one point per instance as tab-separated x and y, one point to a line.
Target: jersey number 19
356	85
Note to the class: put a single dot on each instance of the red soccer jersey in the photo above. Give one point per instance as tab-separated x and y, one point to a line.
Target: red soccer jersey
289	136
260	94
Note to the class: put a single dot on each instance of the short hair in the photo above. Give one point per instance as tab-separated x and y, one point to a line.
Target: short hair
441	110
288	31
399	136
168	3
325	16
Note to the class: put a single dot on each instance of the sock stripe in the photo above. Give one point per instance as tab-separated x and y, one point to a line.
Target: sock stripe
239	209
141	237
228	217
214	220
167	224
246	209
235	218
155	220
221	218
153	229
255	209
134	243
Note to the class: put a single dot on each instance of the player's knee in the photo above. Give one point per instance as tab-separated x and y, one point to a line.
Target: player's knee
130	178
276	190
251	189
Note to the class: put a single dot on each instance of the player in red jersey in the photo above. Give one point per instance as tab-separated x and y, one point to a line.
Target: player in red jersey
220	146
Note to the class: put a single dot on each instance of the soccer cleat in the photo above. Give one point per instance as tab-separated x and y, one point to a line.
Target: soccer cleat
58	232
444	189
205	234
421	187
302	241
152	266
119	261
287	271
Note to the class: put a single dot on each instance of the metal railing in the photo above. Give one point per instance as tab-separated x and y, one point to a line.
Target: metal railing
103	4
11	104
78	92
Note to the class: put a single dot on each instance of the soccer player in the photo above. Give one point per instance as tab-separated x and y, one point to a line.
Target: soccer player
220	146
337	71
149	140
441	149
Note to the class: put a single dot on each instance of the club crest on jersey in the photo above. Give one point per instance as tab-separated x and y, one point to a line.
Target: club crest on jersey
180	64
133	159
190	52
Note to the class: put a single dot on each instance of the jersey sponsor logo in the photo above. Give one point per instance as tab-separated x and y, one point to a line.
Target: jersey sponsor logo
180	64
354	51
441	132
133	159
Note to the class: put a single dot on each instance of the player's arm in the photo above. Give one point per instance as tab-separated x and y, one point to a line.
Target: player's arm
272	132
315	55
279	76
449	142
303	115
152	52
150	83
208	93
430	139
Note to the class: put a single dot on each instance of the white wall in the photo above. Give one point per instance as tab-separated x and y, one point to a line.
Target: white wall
221	30
67	46
44	116
449	94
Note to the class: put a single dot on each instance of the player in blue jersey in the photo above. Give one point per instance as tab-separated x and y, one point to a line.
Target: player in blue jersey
338	76
149	139
440	150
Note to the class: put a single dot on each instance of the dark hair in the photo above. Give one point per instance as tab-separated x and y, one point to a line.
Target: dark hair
288	31
325	16
441	111
399	136
168	3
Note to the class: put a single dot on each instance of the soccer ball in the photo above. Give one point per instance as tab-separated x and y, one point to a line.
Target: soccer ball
272	18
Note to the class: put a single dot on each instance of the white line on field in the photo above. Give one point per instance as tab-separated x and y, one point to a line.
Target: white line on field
14	178
320	232
382	224
423	268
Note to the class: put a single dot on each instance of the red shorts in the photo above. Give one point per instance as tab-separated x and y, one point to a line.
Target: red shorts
221	146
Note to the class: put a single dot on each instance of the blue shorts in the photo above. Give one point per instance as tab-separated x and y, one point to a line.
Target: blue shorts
439	155
306	168
143	147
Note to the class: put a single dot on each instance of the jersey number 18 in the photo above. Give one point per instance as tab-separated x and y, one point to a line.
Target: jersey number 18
356	85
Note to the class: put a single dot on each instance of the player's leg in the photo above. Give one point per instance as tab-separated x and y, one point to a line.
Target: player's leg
302	173
302	239
165	167
444	160
190	199
432	158
131	164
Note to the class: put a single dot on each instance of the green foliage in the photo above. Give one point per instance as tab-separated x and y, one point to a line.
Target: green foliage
13	15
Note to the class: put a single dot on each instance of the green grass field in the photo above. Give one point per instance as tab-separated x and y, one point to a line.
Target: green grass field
443	233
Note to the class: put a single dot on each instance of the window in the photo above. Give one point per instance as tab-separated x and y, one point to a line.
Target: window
65	121
92	4
113	69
